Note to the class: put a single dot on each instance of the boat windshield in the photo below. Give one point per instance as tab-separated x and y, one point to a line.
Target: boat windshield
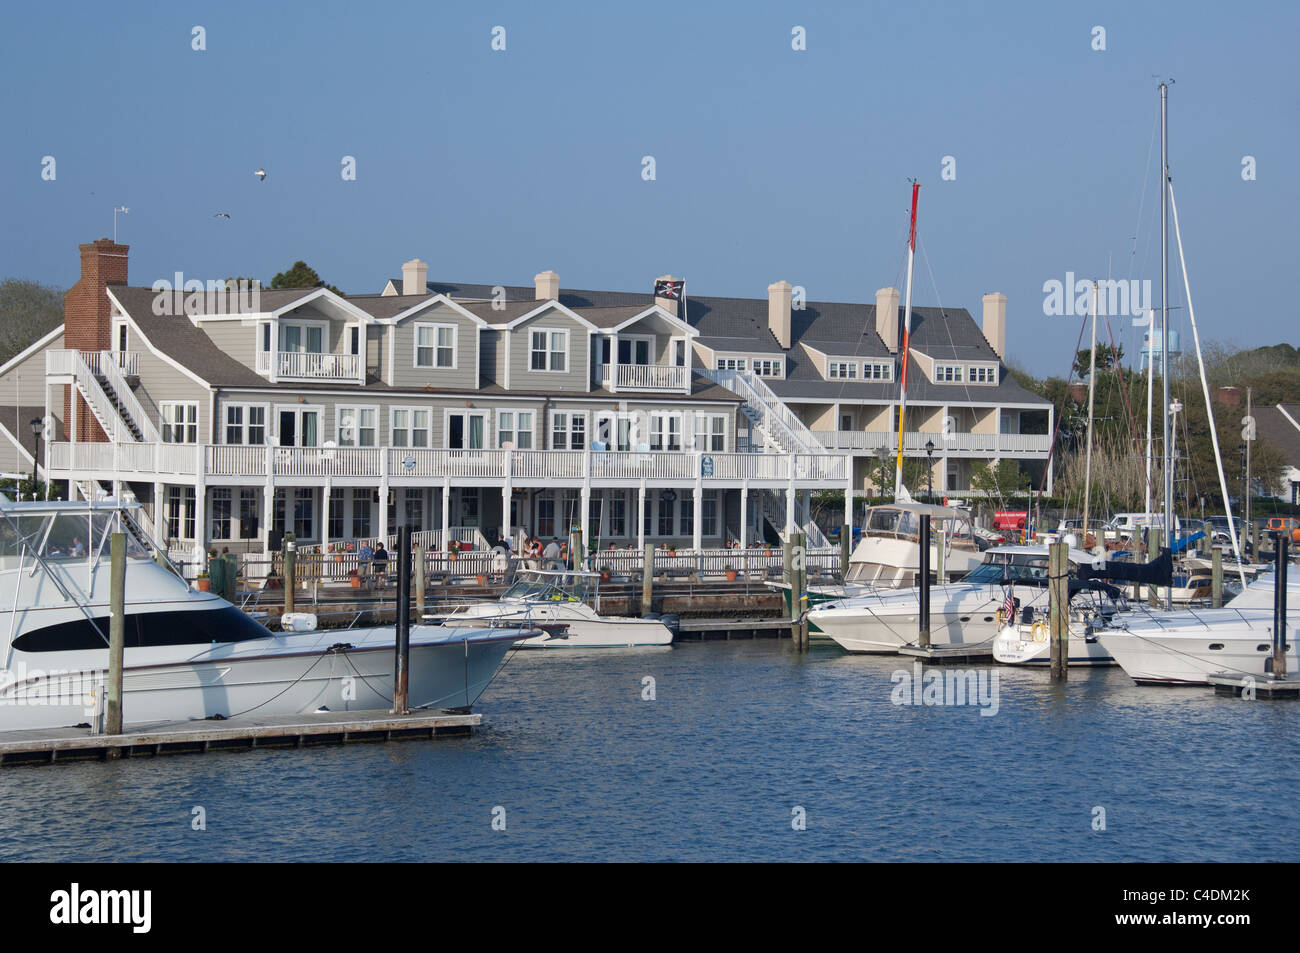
1014	567
62	536
561	587
890	521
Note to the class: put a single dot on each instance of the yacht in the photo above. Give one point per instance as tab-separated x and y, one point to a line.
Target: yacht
963	613
561	605
1026	640
188	654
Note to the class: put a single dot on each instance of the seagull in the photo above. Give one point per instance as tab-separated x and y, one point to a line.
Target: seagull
222	215
260	173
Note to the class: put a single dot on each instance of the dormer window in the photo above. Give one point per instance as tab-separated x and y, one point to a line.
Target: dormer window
769	367
947	374
983	374
435	345
877	371
549	350
842	371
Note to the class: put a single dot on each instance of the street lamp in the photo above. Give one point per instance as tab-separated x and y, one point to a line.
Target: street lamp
37	427
929	469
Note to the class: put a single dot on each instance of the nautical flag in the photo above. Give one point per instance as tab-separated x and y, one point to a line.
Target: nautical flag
1009	607
672	290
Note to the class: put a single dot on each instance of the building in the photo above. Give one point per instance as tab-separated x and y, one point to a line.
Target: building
467	410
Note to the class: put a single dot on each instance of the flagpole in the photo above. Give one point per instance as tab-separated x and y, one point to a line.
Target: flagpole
907	331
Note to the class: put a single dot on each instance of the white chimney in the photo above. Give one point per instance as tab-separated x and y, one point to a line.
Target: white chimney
668	304
778	311
547	284
887	317
995	322
415	277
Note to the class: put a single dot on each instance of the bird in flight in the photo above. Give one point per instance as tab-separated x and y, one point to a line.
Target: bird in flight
260	173
222	215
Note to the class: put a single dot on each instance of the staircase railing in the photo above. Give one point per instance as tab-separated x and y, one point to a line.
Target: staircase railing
111	371
778	422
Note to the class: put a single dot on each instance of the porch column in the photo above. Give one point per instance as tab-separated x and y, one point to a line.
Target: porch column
446	513
268	513
805	499
640	517
384	488
744	515
200	523
586	516
789	499
159	512
848	491
507	489
325	518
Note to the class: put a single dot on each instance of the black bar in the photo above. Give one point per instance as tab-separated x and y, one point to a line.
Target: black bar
1280	541
923	580
402	647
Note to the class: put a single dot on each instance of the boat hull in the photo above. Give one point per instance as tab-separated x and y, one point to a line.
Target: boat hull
1022	645
1151	655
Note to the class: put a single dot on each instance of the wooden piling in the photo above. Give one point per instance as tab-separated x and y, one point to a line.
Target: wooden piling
420	581
116	632
846	548
402	644
940	557
647	578
1280	540
1058	562
923	583
1205	543
1216	578
575	550
290	571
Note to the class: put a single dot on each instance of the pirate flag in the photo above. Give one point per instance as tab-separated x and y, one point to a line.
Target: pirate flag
672	290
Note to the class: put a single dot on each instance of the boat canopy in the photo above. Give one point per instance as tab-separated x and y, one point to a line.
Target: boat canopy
541	585
904	520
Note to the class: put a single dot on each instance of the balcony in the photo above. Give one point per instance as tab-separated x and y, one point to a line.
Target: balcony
965	444
311	366
646	377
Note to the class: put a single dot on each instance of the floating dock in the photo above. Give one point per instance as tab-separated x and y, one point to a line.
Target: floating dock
705	630
47	746
1265	686
940	654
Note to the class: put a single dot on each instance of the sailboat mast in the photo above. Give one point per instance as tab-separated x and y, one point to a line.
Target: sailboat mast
1164	327
1151	378
907	333
1092	381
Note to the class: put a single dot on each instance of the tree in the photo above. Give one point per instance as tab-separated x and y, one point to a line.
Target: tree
1108	358
1000	481
28	310
301	275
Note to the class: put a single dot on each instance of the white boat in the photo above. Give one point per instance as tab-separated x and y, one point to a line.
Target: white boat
889	553
1186	646
557	602
969	612
1027	639
188	654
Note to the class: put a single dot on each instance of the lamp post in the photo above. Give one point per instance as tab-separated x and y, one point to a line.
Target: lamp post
929	470
883	454
37	427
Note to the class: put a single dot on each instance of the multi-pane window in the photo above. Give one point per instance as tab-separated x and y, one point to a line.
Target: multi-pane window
515	426
435	345
549	350
618	515
733	364
180	512
709	513
545	517
842	370
249	524
614	431
221	512
410	427
983	374
877	371
362	502
358	426
667	510
334	523
711	433
765	367
568	431
302	338
686	517
246	424
666	431
947	373
180	422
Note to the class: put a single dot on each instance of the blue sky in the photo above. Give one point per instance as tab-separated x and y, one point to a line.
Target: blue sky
770	163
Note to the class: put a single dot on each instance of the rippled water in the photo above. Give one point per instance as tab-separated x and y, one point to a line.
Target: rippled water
739	735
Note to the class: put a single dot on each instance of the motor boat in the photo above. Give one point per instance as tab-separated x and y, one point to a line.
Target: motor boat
1026	639
889	553
188	654
969	612
561	604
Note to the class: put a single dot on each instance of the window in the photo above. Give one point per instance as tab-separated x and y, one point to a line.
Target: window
767	367
614	431
362	499
568	430
679	352
246	424
733	364
466	430
357	426
435	345
410	427
515	426
983	374
249	524
299	337
180	512
842	371
221	512
709	517
549	350
947	373
335	520
666	431
180	423
667	510
711	433
686	517
618	515
546	517
877	371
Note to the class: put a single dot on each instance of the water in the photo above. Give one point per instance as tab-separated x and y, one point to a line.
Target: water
739	736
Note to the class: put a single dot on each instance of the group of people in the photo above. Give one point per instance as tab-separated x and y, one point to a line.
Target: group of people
554	555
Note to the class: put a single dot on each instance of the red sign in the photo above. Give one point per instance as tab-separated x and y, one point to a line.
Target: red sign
1010	519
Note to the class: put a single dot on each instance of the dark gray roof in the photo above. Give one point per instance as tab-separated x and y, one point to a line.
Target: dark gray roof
1278	432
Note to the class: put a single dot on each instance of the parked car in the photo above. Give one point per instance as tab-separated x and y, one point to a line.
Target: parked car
1283	524
1126	525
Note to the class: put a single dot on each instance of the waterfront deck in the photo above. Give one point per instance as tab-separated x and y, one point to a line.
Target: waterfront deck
47	746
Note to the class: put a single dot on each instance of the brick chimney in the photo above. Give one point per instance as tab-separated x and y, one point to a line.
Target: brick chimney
887	317
668	304
547	285
778	311
415	277
995	322
87	317
1229	397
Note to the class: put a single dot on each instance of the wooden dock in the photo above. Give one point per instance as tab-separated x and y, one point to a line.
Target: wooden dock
1265	686
946	653
704	630
235	734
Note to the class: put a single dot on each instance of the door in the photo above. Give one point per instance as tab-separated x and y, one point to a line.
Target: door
299	428
466	431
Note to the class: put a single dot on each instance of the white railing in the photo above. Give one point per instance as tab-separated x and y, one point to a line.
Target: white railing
915	441
73	362
305	365
128	362
768	411
108	364
372	464
647	377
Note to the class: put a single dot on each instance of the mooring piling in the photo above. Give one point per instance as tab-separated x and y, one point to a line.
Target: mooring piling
116	632
290	571
923	581
402	644
647	578
1058	562
1216	578
1280	541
